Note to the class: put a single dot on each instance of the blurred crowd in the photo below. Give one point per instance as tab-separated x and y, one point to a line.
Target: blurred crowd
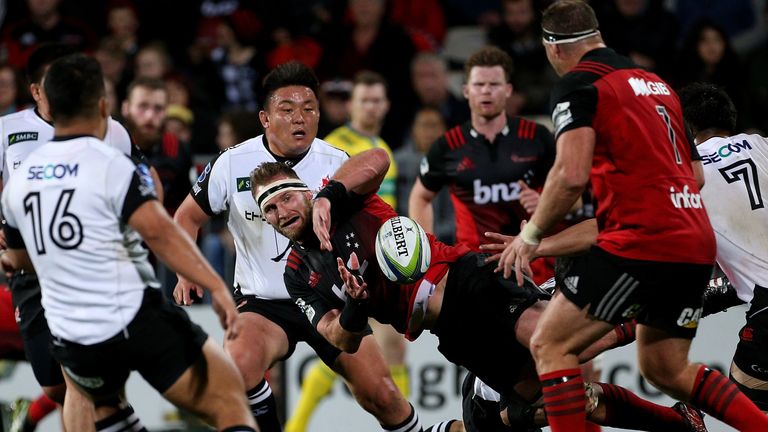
212	54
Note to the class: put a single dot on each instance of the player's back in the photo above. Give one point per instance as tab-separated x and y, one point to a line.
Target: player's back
736	173
67	200
642	173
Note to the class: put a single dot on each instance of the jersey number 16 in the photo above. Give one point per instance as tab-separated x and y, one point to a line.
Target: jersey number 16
65	229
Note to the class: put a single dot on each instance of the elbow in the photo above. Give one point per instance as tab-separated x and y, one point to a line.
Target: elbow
574	181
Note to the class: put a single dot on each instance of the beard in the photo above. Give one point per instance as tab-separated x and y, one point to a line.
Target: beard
143	137
301	232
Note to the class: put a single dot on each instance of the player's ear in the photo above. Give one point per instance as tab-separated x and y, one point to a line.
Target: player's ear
264	119
465	91
103	107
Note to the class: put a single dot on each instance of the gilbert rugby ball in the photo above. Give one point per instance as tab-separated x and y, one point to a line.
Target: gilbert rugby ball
402	250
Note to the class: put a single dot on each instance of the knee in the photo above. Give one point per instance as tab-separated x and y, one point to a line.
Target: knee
542	347
662	375
248	363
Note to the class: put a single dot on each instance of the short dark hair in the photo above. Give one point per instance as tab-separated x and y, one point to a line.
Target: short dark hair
705	106
568	17
289	74
488	57
269	170
369	78
73	86
148	83
42	57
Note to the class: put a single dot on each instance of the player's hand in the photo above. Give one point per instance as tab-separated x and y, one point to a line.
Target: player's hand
354	284
517	255
529	198
501	241
3	243
321	222
183	292
6	263
224	306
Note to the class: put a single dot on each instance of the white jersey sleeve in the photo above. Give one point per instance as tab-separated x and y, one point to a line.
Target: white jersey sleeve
735	193
117	136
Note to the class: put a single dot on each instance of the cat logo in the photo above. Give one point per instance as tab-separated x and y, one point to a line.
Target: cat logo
689	318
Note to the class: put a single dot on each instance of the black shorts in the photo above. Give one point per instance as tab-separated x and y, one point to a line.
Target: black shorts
25	292
476	326
478	414
294	323
752	351
161	344
663	295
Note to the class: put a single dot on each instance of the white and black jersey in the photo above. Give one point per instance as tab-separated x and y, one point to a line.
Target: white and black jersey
22	132
68	204
735	192
225	185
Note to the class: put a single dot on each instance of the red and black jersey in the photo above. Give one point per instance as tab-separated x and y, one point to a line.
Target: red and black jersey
312	275
483	176
648	202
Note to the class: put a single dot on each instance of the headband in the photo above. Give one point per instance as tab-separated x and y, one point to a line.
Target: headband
552	38
269	191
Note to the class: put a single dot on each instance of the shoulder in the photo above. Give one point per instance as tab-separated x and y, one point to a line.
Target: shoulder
455	137
326	149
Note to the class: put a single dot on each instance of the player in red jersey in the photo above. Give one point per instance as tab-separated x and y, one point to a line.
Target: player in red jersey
482	321
622	127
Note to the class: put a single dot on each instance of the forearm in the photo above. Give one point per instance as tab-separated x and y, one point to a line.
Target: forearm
572	240
420	210
556	200
179	252
364	172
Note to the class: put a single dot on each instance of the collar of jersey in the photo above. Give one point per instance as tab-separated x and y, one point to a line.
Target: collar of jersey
291	162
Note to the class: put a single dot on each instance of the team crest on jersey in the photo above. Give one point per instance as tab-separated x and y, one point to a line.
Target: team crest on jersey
308	310
243	184
146	182
561	116
18	137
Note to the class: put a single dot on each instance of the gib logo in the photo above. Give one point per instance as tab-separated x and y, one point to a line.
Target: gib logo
684	199
496	192
51	171
642	87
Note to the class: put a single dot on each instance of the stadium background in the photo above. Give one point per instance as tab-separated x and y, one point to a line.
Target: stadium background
190	44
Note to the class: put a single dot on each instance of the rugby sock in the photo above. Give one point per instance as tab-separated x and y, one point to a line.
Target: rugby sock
316	386
624	409
441	427
40	407
592	427
410	424
125	420
263	407
564	400
714	394
401	379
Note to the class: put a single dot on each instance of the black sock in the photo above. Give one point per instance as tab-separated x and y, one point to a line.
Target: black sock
441	427
239	429
263	407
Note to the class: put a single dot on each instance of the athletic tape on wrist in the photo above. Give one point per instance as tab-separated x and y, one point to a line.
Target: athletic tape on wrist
531	234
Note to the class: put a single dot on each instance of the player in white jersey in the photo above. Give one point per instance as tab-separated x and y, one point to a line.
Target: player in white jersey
71	209
735	194
273	324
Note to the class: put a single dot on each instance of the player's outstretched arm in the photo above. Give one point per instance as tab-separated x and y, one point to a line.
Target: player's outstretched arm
420	205
361	174
177	250
190	217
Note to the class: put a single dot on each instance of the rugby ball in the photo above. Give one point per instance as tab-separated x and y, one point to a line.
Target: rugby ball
402	250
